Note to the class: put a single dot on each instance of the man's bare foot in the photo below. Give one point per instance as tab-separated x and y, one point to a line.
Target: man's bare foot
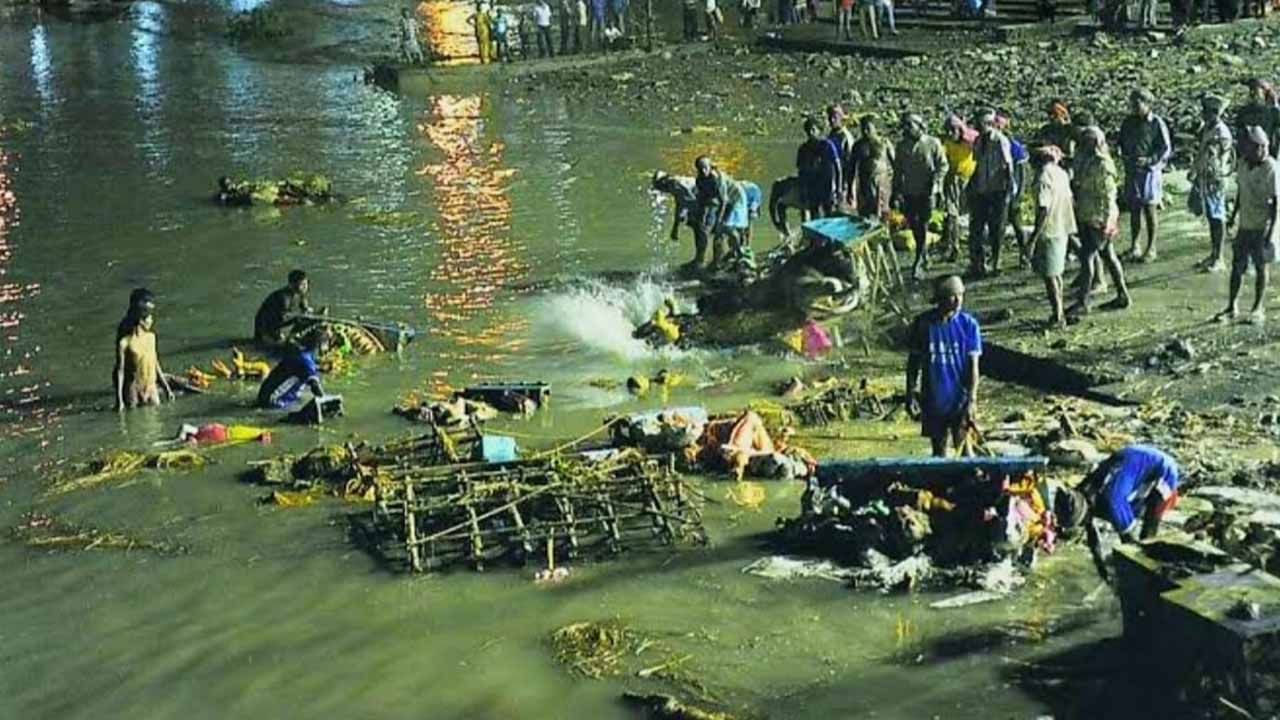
1257	317
1225	316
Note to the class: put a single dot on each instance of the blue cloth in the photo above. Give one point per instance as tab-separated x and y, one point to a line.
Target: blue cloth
946	347
1215	204
284	383
1130	476
1018	150
745	204
598	8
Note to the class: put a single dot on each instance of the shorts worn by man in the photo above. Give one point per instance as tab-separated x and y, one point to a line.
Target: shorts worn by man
945	345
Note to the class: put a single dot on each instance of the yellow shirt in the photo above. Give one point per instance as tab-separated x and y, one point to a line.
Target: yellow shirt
960	157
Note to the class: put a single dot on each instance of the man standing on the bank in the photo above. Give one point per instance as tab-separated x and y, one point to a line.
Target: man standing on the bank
1145	147
945	346
1258	197
919	165
989	191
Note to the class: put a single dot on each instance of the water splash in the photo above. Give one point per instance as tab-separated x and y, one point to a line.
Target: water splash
597	317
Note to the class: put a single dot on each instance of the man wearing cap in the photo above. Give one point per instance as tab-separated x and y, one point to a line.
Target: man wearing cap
1130	491
989	191
1258	196
1215	159
1145	148
945	344
918	167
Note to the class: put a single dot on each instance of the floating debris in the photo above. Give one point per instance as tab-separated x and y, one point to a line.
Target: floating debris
353	472
842	402
47	532
119	464
595	649
441	517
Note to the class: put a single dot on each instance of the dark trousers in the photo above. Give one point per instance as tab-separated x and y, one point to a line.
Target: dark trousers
565	27
544	42
690	23
987	218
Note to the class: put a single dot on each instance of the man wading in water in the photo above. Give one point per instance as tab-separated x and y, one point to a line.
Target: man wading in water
281	309
945	345
138	375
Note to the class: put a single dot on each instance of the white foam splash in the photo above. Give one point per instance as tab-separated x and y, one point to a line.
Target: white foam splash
598	317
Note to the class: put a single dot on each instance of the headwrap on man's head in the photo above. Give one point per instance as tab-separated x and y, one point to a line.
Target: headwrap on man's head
955	122
1045	154
1257	136
1212	103
912	119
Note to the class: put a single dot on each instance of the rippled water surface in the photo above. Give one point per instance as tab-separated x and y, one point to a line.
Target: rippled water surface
529	248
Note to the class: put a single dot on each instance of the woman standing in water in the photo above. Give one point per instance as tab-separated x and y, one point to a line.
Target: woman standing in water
138	375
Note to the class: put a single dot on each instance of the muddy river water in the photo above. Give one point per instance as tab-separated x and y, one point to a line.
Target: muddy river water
527	247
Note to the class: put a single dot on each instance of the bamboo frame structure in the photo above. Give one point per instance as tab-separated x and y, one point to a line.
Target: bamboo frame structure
476	514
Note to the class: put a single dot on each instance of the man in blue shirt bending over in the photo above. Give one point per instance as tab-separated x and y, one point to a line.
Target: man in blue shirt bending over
297	370
1131	490
945	345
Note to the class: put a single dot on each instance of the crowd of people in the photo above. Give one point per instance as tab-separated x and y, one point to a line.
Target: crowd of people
1066	176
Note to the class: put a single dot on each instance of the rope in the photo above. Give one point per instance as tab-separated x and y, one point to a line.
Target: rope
556	450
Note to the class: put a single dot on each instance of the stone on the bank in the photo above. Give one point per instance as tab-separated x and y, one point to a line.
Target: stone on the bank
1074	453
1001	448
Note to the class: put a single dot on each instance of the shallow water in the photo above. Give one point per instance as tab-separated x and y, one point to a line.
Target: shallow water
535	247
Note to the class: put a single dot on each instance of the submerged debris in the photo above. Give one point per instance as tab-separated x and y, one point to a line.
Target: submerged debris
595	649
839	401
48	532
555	507
665	707
353	472
119	464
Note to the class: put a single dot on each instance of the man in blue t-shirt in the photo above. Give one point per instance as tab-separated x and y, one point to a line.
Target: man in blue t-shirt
298	369
1131	490
945	345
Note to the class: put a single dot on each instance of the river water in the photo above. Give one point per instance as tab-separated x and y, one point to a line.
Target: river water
529	247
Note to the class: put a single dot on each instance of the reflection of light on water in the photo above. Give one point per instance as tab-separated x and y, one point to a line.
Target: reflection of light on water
448	31
15	363
478	256
149	20
42	64
729	151
239	6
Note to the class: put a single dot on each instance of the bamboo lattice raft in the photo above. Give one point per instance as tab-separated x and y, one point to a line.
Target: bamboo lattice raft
559	508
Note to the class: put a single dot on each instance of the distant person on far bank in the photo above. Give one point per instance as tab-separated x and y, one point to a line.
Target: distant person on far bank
989	191
750	11
410	49
1258	188
282	309
567	15
542	23
944	347
1145	148
689	13
844	20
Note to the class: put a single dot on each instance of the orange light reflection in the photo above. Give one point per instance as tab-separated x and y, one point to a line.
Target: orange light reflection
16	363
478	255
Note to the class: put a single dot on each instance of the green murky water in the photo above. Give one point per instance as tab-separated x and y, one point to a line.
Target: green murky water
520	209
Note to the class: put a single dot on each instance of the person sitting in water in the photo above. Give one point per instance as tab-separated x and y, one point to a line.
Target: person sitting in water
1131	490
281	310
137	374
299	369
141	301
